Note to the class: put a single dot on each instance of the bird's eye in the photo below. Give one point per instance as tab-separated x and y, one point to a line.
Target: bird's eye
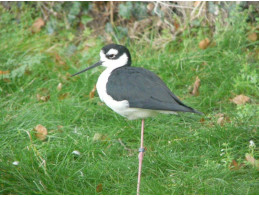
110	56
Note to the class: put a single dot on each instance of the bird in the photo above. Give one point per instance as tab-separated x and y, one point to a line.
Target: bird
133	92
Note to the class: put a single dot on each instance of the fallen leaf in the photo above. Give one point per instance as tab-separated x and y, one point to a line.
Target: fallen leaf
99	137
43	98
196	85
252	37
59	60
4	72
202	120
41	132
234	165
37	25
204	43
220	121
63	96
251	160
91	94
240	99
99	188
59	87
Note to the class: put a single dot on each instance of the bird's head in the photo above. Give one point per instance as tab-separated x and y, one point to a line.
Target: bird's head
112	56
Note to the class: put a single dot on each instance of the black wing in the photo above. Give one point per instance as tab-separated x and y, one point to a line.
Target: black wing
143	89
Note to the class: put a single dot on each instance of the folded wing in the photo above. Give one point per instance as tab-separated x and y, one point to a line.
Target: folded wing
143	89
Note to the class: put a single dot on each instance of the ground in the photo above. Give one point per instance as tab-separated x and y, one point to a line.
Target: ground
185	154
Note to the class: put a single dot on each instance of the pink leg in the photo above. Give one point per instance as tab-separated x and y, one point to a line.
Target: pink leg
141	155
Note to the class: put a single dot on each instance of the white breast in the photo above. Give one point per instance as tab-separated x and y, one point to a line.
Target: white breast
120	107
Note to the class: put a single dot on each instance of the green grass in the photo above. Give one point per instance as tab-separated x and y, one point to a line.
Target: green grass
183	154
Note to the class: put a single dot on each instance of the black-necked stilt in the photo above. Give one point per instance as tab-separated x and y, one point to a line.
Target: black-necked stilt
133	92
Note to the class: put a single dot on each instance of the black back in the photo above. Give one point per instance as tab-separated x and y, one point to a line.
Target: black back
143	89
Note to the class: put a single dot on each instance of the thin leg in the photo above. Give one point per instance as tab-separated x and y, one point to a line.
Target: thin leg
141	155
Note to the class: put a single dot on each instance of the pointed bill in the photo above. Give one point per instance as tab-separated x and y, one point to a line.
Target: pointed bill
93	66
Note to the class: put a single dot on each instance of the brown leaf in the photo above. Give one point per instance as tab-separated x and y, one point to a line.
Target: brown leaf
59	87
59	60
251	160
97	137
240	99
41	132
43	98
37	25
100	137
99	187
204	43
202	120
222	119
252	37
196	85
234	165
91	94
63	96
4	72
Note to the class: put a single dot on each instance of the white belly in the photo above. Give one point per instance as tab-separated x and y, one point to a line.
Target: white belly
120	107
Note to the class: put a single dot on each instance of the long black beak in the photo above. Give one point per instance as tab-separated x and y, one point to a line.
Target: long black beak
93	66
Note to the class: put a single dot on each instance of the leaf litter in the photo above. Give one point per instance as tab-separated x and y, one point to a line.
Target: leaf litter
204	43
41	132
240	99
196	86
92	93
252	161
99	188
37	25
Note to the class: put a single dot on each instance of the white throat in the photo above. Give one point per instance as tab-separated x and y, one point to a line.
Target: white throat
113	63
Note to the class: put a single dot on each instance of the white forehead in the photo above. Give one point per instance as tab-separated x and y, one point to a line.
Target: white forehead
112	52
